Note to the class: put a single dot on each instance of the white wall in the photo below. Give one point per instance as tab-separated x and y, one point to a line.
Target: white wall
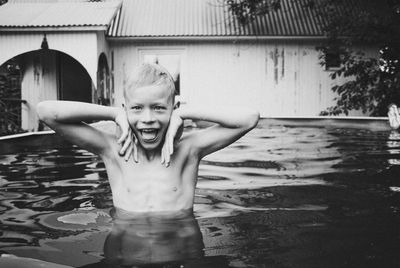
279	78
82	46
40	68
39	83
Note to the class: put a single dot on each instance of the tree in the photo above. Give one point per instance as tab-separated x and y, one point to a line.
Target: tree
373	82
10	98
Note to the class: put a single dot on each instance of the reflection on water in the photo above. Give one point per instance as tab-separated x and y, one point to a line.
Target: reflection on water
152	239
282	196
394	147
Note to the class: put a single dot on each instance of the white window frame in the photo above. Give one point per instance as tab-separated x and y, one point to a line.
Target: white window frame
329	67
179	51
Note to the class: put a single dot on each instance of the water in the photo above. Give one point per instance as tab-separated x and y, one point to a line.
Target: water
285	195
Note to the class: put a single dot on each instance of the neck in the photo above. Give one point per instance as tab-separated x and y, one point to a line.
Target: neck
149	155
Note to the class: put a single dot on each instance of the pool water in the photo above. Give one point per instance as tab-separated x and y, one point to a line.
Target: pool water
285	195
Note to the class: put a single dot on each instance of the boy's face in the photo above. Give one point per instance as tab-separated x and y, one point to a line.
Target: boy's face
149	110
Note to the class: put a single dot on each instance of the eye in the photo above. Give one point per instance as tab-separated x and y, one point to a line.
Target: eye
159	108
136	108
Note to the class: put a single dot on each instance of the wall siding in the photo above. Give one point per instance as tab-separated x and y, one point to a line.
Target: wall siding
279	78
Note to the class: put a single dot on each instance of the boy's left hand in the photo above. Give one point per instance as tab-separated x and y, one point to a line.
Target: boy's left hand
127	138
174	132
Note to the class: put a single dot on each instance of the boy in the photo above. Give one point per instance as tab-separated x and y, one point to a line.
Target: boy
163	173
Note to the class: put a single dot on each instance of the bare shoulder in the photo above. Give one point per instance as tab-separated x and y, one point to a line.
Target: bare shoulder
204	141
186	142
189	142
110	133
97	138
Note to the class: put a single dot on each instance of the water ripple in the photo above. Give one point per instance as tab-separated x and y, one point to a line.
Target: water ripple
265	192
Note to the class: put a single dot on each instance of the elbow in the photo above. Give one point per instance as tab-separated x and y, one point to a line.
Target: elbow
45	111
253	118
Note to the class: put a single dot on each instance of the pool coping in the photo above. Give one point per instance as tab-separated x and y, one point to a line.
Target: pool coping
26	134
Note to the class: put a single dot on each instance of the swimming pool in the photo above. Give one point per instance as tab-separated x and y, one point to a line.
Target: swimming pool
291	193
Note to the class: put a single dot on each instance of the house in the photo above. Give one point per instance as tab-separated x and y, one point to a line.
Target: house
84	50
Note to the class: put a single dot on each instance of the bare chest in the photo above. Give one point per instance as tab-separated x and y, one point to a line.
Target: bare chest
153	176
141	187
149	185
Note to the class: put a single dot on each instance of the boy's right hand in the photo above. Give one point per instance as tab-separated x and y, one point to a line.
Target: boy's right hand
174	132
127	139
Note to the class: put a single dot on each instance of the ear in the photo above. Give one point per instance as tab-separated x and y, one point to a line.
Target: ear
177	104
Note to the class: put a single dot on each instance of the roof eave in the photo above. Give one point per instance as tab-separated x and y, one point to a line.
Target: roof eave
210	38
55	28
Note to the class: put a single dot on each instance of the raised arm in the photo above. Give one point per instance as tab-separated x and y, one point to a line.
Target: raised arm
231	124
67	119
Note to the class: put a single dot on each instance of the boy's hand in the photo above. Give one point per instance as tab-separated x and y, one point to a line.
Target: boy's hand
174	132
127	138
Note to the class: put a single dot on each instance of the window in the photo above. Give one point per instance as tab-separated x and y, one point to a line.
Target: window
169	59
332	61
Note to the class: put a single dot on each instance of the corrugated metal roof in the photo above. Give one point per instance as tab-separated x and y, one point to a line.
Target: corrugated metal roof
57	13
163	18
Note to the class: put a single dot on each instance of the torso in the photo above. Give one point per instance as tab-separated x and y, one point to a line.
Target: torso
149	186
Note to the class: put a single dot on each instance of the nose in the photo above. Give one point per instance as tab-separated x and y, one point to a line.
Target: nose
147	116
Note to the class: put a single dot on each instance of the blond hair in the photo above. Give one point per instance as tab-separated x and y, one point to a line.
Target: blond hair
151	74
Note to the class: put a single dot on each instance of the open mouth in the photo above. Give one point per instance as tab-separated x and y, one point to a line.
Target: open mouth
148	134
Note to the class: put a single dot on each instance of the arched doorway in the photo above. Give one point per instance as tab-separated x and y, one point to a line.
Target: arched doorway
74	81
45	75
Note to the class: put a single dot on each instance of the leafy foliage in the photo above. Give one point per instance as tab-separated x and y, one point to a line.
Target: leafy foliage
371	81
10	99
246	11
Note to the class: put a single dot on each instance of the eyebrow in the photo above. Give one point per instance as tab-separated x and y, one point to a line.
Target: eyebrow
151	104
